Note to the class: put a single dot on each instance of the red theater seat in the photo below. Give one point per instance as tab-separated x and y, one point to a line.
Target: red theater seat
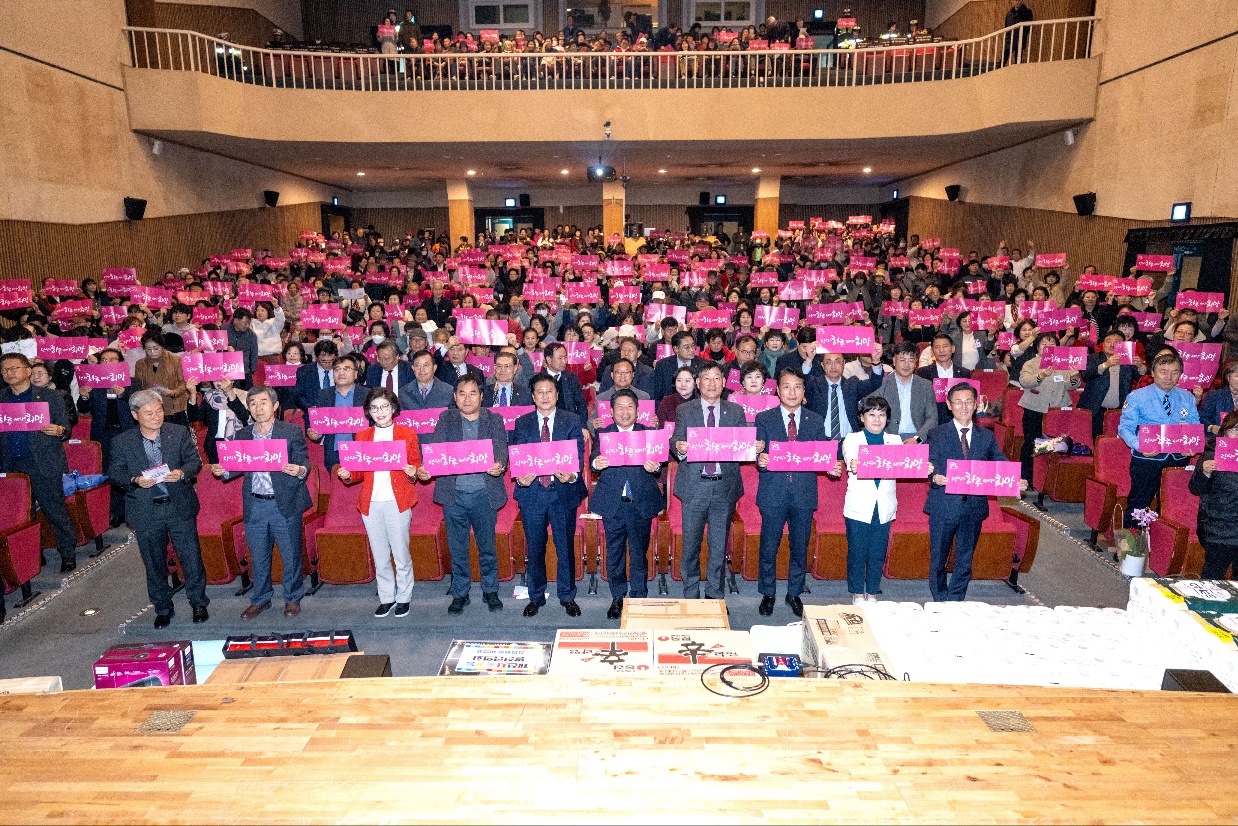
1173	545
342	546
993	383
89	510
81	430
1113	418
20	545
221	532
1057	475
1107	487
423	536
1009	430
831	528
909	537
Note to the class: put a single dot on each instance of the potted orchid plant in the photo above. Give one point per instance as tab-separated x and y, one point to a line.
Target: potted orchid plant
1133	542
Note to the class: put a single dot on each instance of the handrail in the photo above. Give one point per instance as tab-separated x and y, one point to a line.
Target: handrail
1041	41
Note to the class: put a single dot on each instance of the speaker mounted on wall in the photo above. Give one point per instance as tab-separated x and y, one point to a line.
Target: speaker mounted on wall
135	208
953	191
525	200
270	196
1085	203
705	199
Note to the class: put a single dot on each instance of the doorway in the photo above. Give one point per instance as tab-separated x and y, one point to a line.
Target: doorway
336	219
499	221
1203	256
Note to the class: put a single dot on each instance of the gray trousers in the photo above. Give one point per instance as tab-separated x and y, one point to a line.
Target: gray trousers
387	528
707	507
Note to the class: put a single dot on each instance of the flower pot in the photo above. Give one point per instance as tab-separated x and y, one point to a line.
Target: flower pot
1133	565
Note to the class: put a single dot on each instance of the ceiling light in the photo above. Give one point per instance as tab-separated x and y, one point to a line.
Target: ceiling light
471	172
661	171
867	169
755	170
360	174
565	171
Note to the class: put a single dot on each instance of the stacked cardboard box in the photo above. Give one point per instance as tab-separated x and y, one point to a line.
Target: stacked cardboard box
662	614
602	653
837	635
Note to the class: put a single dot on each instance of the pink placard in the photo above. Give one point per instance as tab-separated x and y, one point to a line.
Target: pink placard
1171	438
205	340
356	455
709	319
895	309
254	454
281	375
1131	286
212	315
1095	281
998	262
1056	357
1055	320
103	375
893	462
975	287
827	314
456	458
511	413
17	416
154	298
924	318
1154	263
327	420
753	405
1226	454
693	278
941	387
625	295
655	272
204	367
804	456
969	476
1203	302
543	458
722	444
645	412
63	310
1147	322
490	332
796	290
845	340
656	312
52	347
119	277
130	338
111	314
578	352
635	447
1051	260
778	317
421	421
484	364
763	278
317	317
1005	340
618	269
541	291
862	262
1125	351
1200	361
60	287
585	263
902	261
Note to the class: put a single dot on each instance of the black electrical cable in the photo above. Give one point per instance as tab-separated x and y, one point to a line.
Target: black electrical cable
857	671
741	690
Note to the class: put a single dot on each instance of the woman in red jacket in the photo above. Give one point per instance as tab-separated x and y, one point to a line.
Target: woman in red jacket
386	504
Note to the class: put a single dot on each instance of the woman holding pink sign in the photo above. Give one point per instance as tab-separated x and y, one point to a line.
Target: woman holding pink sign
1044	389
1217	489
386	504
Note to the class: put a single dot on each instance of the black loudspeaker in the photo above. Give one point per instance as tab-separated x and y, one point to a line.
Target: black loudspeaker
525	200
270	196
135	208
952	192
705	199
1085	204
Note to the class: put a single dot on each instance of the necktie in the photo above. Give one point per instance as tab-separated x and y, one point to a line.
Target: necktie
545	480
963	441
792	430
834	425
424	391
154	455
390	382
713	468
1169	411
326	380
502	397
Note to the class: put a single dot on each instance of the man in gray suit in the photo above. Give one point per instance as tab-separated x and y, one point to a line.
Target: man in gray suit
471	501
425	392
708	491
155	464
913	405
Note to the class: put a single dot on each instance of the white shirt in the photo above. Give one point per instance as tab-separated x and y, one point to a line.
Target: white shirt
383	492
791	415
971	353
944	372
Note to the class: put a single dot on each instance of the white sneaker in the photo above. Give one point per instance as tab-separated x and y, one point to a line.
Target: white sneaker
857	599
871	597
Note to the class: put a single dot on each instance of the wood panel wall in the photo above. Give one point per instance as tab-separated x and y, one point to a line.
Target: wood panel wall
830	212
394	222
244	26
350	21
981	17
40	250
671	217
872	15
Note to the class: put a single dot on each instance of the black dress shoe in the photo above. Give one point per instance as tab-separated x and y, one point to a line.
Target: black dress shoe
797	607
68	565
615	611
457	605
164	620
530	610
492	601
766	607
573	610
116	521
199	614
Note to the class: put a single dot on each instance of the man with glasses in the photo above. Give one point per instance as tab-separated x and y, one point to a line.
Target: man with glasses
316	376
426	391
642	377
343	394
684	345
503	389
912	400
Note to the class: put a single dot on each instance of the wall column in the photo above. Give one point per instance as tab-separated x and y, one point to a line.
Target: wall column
459	212
769	188
614	204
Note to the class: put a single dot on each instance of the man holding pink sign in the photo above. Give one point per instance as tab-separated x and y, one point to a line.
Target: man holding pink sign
1215	482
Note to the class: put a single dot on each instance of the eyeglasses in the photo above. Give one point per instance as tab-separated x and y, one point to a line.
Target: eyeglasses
381	408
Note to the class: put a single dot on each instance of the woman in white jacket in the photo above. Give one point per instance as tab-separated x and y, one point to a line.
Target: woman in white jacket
870	505
268	326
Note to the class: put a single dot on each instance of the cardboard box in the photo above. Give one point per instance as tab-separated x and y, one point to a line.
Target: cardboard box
689	652
153	663
659	614
839	635
602	652
32	685
286	669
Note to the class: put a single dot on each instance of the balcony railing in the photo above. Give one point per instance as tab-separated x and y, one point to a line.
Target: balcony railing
1043	41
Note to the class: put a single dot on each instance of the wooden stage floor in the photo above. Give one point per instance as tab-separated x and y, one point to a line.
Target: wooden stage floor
539	749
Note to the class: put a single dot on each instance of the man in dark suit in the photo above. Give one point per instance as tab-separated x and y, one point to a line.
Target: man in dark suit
956	517
628	498
630	349
708	490
438	306
665	369
425	391
570	396
786	498
913	404
945	365
109	417
388	371
40	453
504	389
345	393
317	375
803	359
833	397
274	506
471	501
161	506
550	502
1105	382
455	365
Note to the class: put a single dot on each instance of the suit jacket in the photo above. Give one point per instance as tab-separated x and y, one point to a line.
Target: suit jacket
944	445
664	371
403	375
605	501
779	486
307	388
817	399
438	311
97	402
571	396
518	394
47	456
180	452
440	395
929	373
923	404
326	398
1096	383
450	428
567	426
447	373
688	476
791	360
292	494
641	380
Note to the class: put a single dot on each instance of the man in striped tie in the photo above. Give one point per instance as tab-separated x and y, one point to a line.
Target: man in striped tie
504	389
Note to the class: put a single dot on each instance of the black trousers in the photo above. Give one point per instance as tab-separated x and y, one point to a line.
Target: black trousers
1146	481
48	491
1033	429
627	548
152	536
1218	559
